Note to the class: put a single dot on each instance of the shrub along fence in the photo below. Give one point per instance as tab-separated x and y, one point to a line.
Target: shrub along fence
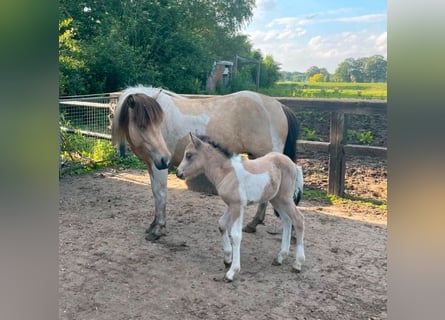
89	116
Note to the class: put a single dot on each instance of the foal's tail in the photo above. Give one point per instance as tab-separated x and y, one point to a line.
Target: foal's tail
293	128
300	183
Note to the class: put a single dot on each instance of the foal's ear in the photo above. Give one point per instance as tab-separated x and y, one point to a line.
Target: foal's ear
196	141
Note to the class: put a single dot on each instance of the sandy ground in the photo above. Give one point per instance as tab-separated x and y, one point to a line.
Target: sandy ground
109	271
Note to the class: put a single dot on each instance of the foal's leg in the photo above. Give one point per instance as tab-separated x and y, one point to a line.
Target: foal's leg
224	228
298	223
236	235
286	235
257	219
158	180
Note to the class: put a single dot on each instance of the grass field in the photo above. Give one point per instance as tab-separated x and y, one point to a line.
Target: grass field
335	90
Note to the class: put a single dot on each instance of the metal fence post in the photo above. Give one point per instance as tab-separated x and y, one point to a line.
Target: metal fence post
122	151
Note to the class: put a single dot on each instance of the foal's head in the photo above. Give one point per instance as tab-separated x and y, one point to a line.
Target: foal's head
199	153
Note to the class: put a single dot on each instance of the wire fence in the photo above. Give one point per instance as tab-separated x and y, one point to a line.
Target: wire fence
85	130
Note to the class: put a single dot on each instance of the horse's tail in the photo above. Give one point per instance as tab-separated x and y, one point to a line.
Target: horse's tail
290	149
293	128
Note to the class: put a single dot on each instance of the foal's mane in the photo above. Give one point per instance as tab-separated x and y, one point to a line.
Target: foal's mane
217	146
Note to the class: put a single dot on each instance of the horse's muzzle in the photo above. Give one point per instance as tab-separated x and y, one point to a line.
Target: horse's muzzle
163	163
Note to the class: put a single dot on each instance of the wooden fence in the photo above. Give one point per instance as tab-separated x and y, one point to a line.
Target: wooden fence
336	147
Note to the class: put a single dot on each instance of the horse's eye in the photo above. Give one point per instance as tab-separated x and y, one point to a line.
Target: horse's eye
188	155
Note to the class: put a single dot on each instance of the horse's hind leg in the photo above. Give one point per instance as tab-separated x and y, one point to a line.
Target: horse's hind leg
158	180
257	219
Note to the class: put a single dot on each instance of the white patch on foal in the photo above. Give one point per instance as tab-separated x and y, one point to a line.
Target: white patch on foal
251	185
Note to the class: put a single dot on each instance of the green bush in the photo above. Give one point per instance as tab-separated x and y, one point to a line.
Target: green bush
357	137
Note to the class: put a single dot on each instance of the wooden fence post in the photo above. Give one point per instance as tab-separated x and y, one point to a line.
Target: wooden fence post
337	165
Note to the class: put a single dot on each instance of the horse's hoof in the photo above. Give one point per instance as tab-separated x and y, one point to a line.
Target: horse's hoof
150	228
227	279
152	236
275	262
249	229
227	264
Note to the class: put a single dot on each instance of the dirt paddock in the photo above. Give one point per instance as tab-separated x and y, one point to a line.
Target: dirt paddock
109	271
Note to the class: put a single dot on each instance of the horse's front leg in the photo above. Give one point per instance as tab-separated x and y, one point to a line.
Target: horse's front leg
158	180
257	219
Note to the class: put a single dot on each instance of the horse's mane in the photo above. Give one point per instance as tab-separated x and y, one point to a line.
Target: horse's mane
217	146
146	112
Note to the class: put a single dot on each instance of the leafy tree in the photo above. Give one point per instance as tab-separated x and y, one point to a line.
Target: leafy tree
269	72
292	76
71	61
326	74
170	43
368	69
374	69
342	73
312	71
318	77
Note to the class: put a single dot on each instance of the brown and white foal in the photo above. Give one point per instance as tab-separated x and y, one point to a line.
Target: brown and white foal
241	182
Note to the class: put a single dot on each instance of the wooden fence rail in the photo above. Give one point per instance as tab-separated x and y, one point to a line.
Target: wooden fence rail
336	147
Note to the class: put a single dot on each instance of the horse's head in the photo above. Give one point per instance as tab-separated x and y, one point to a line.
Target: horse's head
139	118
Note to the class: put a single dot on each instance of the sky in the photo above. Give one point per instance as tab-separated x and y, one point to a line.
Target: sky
323	33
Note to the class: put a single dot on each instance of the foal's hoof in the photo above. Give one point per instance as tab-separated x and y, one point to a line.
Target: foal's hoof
275	262
296	269
249	229
227	279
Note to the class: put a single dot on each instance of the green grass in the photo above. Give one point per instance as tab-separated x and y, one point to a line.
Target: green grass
322	197
328	90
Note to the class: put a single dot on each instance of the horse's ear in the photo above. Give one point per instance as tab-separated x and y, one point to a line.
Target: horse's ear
156	95
131	101
196	141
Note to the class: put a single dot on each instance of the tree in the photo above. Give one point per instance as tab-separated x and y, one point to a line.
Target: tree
312	71
71	63
166	43
368	69
270	72
374	69
318	77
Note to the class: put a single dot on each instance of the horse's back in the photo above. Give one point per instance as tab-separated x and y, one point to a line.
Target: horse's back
249	122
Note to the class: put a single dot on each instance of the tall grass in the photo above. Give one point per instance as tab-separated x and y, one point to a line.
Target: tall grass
328	90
